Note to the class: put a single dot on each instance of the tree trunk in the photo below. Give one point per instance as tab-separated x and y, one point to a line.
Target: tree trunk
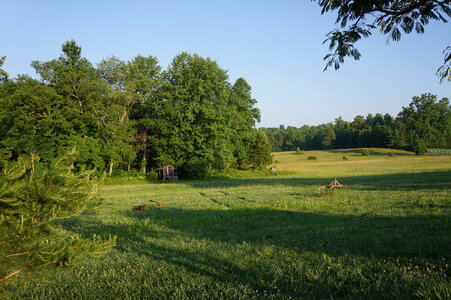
111	167
145	164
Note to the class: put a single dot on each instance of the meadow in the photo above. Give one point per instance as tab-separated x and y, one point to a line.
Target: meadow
268	235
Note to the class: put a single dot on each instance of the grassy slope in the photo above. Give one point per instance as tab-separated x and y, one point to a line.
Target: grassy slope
385	235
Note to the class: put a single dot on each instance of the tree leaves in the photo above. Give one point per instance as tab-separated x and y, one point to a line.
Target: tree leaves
126	114
388	15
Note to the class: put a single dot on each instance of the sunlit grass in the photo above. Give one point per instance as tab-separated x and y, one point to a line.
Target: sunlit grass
384	235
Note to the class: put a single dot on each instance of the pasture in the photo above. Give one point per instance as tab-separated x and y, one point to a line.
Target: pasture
384	235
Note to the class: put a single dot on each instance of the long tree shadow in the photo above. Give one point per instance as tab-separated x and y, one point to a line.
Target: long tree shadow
397	181
372	151
364	235
367	237
417	238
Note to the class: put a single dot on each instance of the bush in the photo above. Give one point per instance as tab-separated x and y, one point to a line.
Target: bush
132	174
365	152
391	154
299	151
419	146
311	157
345	157
195	168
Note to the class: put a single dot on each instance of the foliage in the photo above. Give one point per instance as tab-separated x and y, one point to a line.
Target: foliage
358	18
34	196
419	146
345	157
312	157
365	152
260	151
246	173
124	115
327	137
444	71
425	116
299	151
3	74
426	122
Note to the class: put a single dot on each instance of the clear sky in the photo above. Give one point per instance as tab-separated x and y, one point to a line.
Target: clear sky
275	45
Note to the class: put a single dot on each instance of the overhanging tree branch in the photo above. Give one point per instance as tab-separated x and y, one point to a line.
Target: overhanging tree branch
390	16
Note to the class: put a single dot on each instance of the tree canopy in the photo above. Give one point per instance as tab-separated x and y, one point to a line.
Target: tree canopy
424	123
359	18
122	115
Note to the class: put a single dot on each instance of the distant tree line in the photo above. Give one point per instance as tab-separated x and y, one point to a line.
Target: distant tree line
124	115
426	122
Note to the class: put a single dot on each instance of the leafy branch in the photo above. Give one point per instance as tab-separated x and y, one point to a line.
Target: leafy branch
391	17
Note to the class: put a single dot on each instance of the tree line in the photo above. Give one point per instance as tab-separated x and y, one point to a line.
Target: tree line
125	115
426	122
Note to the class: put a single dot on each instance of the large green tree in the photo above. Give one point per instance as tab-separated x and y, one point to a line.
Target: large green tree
95	105
425	122
124	114
242	117
359	18
33	118
327	137
192	127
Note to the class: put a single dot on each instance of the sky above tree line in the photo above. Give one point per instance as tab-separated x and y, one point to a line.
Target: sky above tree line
275	45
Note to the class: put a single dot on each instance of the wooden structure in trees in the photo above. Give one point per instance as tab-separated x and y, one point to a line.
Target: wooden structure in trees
167	172
330	188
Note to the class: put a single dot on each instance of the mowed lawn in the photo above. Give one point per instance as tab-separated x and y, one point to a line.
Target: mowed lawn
384	235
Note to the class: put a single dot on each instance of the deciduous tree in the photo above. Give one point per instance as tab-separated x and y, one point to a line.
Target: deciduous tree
426	122
359	18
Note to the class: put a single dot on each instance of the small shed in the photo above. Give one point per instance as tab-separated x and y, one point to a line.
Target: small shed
167	172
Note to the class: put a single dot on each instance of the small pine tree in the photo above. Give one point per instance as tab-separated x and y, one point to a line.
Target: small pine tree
32	197
260	152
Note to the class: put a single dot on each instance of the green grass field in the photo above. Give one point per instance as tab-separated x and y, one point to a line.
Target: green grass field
384	235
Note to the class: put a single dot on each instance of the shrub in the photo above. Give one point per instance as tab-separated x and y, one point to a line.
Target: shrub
345	157
365	152
132	174
391	154
419	146
299	151
311	157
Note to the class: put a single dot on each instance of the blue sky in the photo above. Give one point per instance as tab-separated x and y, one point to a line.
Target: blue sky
275	45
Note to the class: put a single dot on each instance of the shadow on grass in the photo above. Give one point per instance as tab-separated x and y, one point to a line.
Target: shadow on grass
364	235
165	235
376	152
398	181
217	236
